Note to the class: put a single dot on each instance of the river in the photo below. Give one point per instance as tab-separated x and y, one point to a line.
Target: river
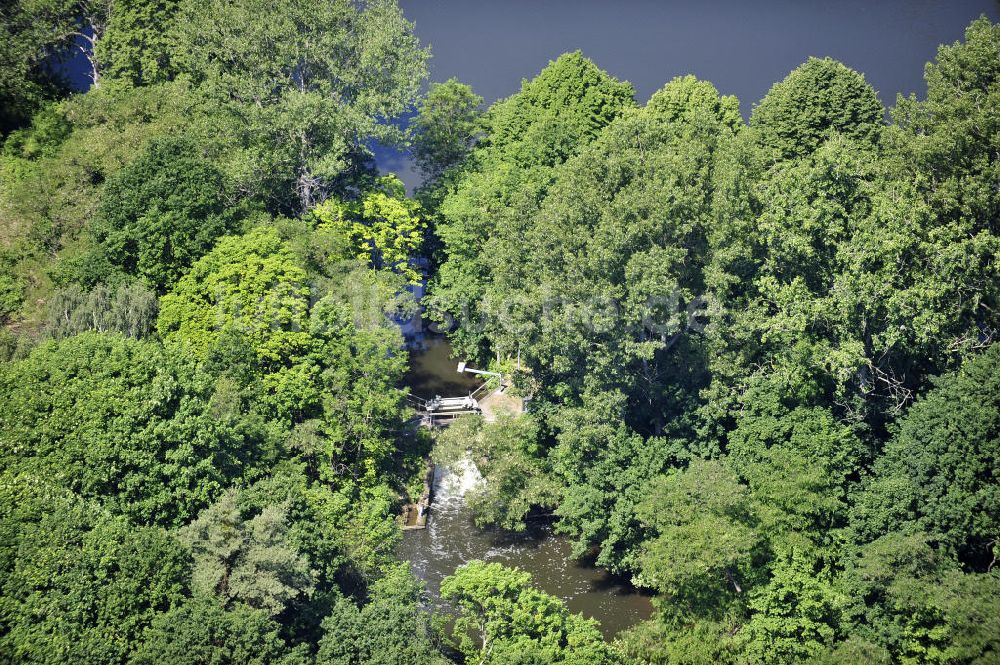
452	539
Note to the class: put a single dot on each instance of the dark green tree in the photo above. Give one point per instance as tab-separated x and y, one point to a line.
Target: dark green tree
77	583
391	628
939	472
819	98
162	212
200	630
123	422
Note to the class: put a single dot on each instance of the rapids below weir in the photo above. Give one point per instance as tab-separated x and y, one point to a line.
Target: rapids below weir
451	538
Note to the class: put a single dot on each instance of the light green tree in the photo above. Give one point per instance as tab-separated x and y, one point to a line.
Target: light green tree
513	620
139	43
250	283
383	228
703	532
795	616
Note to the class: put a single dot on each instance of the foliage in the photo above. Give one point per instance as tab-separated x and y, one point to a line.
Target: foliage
139	43
819	98
445	127
384	228
486	210
759	356
513	620
605	470
704	533
311	81
162	212
390	629
939	472
795	614
247	560
69	153
123	421
128	309
251	284
78	583
200	630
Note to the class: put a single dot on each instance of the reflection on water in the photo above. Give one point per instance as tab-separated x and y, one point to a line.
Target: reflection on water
434	372
452	539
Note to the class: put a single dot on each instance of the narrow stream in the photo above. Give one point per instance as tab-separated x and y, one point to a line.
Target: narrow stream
452	539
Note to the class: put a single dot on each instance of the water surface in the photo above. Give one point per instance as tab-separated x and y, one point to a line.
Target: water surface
451	538
433	372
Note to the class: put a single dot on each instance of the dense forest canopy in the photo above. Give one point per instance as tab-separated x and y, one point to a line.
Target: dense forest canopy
760	354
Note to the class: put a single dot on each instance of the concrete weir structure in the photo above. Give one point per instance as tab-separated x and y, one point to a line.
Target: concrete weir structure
488	401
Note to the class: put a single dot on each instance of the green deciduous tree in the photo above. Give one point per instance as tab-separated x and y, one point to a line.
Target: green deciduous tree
391	628
912	600
514	621
128	309
310	82
795	615
705	533
939	473
383	228
139	43
77	583
488	208
819	98
162	212
250	283
34	36
445	127
200	630
124	422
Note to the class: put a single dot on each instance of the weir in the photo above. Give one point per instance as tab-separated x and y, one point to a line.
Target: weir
484	401
442	411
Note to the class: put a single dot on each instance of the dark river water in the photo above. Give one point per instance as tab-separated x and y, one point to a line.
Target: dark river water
452	539
433	372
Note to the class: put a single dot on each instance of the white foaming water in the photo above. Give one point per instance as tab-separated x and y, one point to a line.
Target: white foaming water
452	483
452	539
